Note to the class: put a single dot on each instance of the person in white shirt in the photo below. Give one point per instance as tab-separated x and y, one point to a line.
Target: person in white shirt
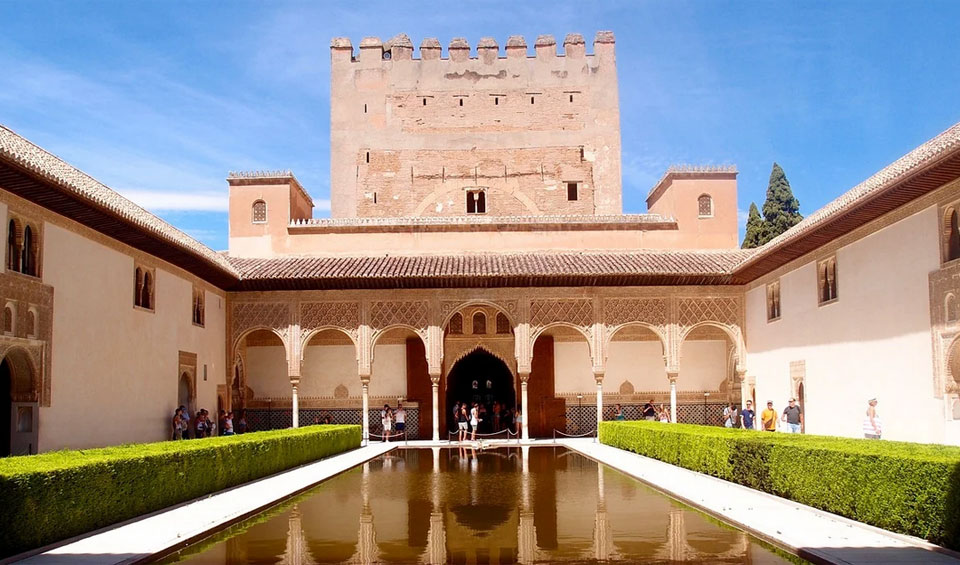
400	418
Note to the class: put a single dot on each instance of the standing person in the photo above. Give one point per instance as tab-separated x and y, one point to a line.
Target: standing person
462	422
496	417
185	414
769	418
177	424
242	423
387	421
649	412
664	415
871	423
221	422
456	416
199	425
793	416
519	420
747	416
618	413
227	428
729	416
400	418
474	421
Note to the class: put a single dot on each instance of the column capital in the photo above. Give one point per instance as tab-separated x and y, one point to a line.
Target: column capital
740	373
598	377
435	379
294	381
524	376
672	374
365	379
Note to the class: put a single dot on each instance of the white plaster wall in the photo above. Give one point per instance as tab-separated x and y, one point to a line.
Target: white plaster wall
640	362
873	341
267	372
114	369
389	370
572	367
325	367
703	365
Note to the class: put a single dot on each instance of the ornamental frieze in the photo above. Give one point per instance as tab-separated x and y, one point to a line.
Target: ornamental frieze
413	313
726	310
344	315
618	311
248	315
578	312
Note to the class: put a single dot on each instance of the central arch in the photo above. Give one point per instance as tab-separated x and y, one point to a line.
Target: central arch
484	378
19	407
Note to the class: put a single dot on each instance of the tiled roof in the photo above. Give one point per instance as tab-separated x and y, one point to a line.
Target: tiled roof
491	270
481	222
84	187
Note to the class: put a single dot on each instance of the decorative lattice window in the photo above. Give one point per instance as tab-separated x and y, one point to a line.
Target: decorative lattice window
259	212
29	252
952	236
198	307
476	202
827	280
479	323
455	327
13	246
503	324
773	301
143	291
705	206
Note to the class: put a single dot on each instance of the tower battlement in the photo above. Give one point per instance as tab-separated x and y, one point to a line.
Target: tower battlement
422	136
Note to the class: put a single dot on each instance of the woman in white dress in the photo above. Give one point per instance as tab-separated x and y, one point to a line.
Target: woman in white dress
474	421
386	417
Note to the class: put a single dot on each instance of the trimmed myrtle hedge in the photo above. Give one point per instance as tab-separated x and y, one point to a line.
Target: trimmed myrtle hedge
60	494
904	487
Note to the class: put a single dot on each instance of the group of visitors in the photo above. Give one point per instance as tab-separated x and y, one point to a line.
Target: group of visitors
203	426
650	412
791	418
469	417
393	420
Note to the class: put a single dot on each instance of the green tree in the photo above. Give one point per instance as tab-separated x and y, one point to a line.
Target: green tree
755	228
781	211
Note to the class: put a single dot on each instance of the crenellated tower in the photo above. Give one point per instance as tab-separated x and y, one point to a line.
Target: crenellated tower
492	132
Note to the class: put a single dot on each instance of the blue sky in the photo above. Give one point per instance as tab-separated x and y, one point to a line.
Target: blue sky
160	100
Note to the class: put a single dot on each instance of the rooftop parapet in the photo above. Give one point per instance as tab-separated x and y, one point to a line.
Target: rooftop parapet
372	49
241	178
692	171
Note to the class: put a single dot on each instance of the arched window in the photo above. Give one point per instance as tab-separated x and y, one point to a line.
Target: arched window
138	287
503	324
31	323
8	320
705	206
13	248
198	307
259	212
479	323
773	301
476	202
951	308
953	237
827	279
28	259
456	324
146	293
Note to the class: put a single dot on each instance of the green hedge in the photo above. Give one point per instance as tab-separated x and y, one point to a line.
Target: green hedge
60	494
904	487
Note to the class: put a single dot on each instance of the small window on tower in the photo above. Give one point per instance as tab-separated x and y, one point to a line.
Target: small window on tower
461	101
476	202
705	206
364	108
259	212
496	101
572	193
531	99
571	97
424	101
374	197
368	156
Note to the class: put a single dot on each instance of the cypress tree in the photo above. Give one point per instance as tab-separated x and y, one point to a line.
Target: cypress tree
781	211
754	228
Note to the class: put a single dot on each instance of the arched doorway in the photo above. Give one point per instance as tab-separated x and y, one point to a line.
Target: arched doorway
19	406
483	378
803	407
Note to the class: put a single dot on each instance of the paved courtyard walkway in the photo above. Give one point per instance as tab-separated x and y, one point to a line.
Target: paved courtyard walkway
813	534
171	529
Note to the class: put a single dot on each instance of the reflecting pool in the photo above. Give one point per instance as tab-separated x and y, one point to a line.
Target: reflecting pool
508	505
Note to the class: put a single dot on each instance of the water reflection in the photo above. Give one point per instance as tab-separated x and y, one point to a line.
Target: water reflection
517	505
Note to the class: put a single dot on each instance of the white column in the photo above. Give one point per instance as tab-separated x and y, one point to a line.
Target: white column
365	417
525	407
673	397
599	378
435	382
296	403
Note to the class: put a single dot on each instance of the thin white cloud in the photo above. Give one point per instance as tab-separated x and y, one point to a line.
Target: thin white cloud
321	205
742	216
175	200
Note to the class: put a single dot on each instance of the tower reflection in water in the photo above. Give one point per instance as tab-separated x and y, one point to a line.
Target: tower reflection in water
460	505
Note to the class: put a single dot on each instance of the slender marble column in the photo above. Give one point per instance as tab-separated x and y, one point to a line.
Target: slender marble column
365	417
525	406
599	378
673	397
435	384
294	384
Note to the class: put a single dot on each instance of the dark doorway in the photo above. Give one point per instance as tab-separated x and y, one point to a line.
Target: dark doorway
6	415
483	378
803	408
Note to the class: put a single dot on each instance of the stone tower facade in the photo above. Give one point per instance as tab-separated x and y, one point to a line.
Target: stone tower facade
492	133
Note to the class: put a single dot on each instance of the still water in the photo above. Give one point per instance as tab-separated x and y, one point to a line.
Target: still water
509	505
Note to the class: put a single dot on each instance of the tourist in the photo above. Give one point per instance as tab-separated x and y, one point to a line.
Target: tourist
221	422
462	421
474	421
730	415
200	425
386	418
496	417
177	424
746	416
664	415
227	428
618	413
210	426
871	424
456	416
649	412
793	416
328	419
400	419
519	419
185	414
769	418
242	423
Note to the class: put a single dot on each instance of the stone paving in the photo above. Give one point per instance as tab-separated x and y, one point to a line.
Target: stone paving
813	534
171	529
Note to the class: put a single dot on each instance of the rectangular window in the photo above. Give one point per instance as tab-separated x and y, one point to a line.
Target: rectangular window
827	280
572	191
476	202
773	301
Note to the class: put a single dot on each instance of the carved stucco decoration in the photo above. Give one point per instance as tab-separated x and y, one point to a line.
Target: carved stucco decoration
619	311
726	310
344	315
341	391
26	382
577	312
413	313
510	307
626	387
271	315
26	293
945	282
